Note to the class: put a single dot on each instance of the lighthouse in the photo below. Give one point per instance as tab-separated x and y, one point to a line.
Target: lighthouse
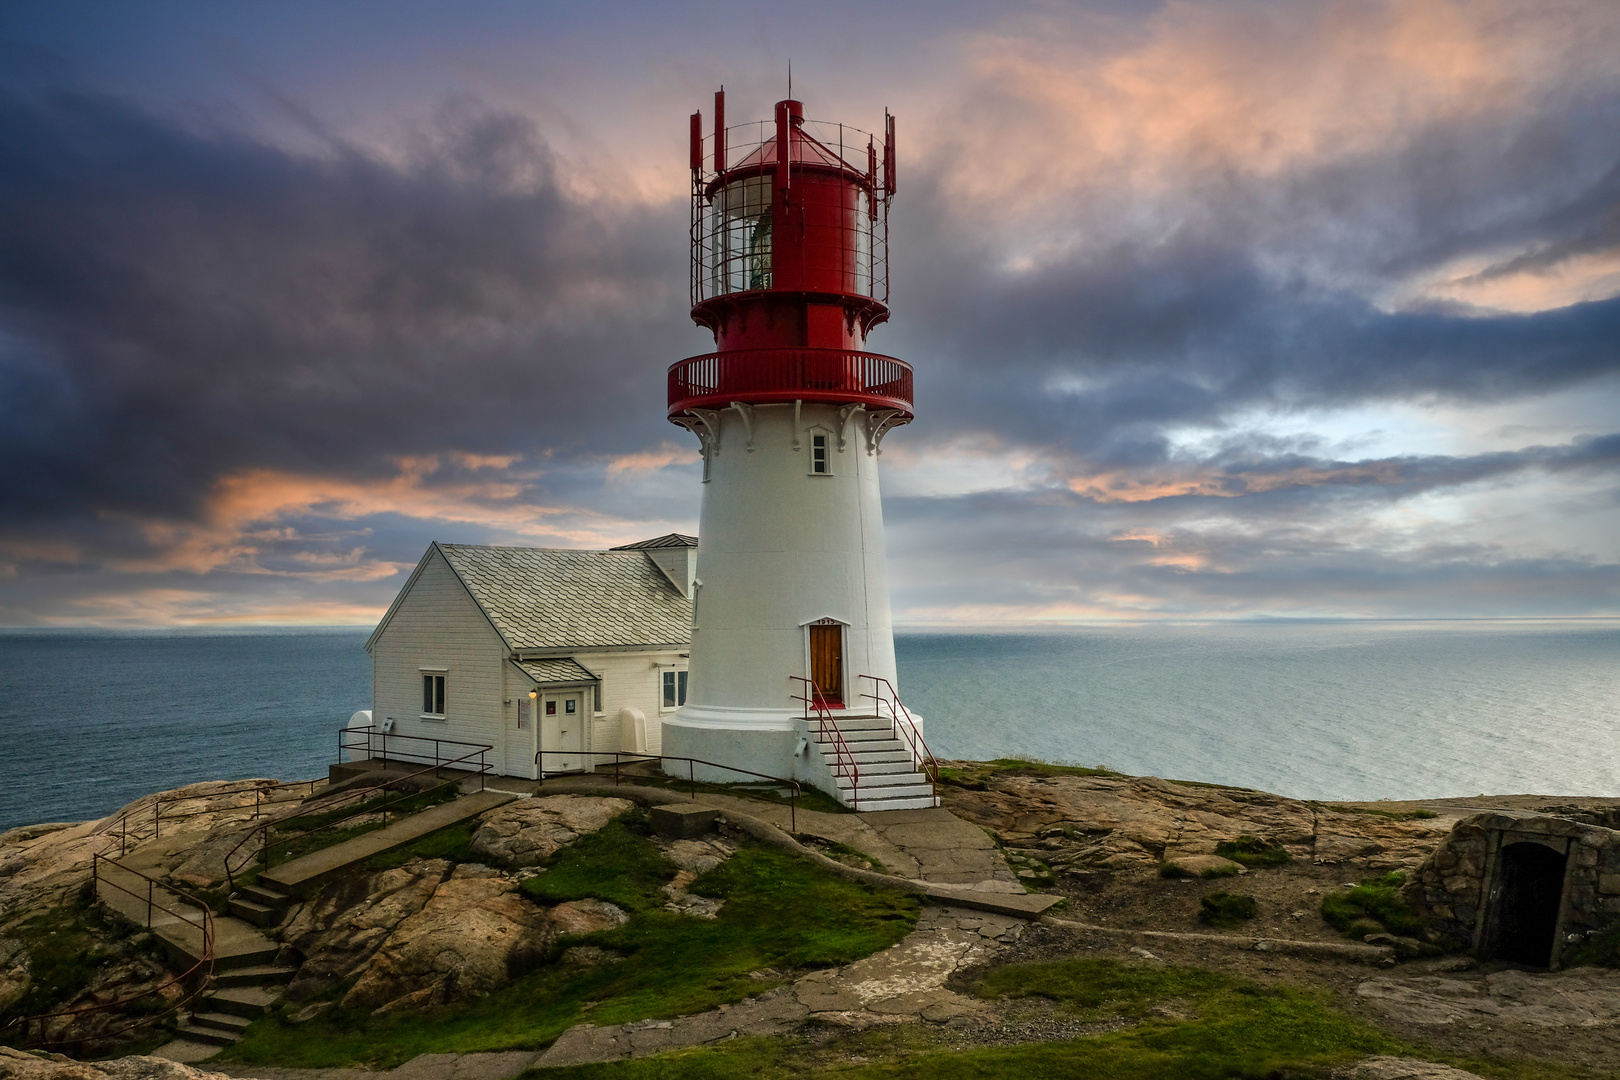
792	668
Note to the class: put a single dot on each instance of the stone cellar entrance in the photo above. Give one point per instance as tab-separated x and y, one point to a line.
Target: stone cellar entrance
1522	886
1524	906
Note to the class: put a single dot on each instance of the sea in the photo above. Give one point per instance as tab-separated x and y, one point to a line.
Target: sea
92	719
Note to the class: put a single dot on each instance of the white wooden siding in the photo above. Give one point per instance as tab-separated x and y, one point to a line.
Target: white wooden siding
438	625
630	680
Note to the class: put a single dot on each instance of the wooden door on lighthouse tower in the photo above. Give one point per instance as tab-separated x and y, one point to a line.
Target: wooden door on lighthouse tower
827	660
562	731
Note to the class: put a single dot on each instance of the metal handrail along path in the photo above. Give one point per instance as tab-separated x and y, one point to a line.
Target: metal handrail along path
843	756
204	964
262	832
902	724
260	788
619	756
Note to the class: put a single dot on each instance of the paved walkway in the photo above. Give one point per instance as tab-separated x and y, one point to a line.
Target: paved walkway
933	846
300	872
902	983
180	925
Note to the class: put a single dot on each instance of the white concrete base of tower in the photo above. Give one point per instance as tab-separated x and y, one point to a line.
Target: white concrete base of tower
759	740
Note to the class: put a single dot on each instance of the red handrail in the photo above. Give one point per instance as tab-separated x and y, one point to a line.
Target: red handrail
814	699
756	376
920	753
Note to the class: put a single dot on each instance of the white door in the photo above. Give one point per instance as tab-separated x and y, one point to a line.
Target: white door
520	730
562	731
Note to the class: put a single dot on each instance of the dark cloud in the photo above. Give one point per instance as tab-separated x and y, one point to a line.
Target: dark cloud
182	303
179	300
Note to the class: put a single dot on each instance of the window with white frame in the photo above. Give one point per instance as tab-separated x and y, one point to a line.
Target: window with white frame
820	454
433	694
674	689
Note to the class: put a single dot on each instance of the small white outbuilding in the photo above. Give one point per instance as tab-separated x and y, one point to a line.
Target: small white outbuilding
565	653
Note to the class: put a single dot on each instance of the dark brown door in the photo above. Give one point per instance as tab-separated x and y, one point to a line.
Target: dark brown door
827	662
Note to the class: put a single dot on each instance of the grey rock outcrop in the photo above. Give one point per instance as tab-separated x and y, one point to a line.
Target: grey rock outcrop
341	929
474	934
17	1065
1109	822
529	831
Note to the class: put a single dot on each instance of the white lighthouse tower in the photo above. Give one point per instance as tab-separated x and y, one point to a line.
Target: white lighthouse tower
792	665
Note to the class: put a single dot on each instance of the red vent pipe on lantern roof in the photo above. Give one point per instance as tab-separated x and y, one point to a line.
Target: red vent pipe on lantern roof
888	154
720	130
784	143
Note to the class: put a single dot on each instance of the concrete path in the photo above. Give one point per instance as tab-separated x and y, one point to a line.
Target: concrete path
496	1066
236	943
310	869
903	983
932	846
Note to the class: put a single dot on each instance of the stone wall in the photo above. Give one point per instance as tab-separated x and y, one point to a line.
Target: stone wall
1454	886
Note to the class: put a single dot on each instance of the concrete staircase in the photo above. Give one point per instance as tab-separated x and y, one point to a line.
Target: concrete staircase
247	982
889	777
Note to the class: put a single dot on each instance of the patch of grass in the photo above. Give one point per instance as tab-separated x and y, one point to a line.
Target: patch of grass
453	842
617	863
809	798
781	913
1393	815
1376	900
843	853
1226	911
397	803
307	833
893	1052
67	946
1600	951
1251	851
1171	871
1209	872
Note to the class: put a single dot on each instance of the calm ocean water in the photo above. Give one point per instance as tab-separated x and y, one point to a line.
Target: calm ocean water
92	719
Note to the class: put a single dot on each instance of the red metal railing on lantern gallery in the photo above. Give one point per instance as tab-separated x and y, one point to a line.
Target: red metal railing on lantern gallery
755	376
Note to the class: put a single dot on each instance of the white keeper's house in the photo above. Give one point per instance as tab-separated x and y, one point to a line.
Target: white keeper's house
576	653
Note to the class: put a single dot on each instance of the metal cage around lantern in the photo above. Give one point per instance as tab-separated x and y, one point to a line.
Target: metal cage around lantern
732	249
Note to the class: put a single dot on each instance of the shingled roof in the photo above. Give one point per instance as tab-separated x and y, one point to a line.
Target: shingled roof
563	669
563	598
668	540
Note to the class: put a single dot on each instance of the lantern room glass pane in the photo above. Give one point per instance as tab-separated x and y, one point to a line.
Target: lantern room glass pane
740	243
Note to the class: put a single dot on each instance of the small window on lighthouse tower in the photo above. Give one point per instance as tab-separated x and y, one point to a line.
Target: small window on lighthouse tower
819	463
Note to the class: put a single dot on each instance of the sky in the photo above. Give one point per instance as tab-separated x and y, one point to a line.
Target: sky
1218	308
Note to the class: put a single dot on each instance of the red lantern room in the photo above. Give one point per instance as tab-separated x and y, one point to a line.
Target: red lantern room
790	266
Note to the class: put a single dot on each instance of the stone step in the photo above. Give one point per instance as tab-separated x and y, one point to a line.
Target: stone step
868	746
884	768
910	778
923	802
873	735
883	791
257	914
255	975
266	895
248	1001
221	1021
862	723
211	1035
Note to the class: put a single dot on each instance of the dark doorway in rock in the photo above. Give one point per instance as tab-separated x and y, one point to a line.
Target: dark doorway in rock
1530	887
